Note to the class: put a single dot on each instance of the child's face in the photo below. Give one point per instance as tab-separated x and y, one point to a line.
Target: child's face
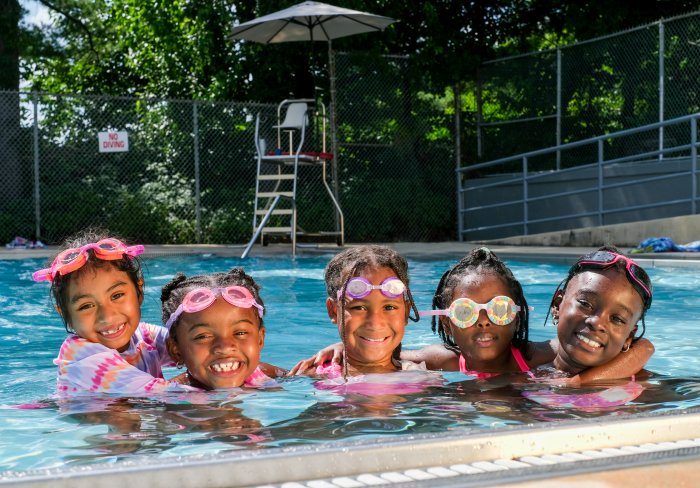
598	315
483	342
103	306
220	345
374	325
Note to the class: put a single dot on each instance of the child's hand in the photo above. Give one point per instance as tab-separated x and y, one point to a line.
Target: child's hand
333	353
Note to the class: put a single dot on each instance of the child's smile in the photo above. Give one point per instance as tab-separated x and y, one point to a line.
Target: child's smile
220	345
104	306
597	313
374	324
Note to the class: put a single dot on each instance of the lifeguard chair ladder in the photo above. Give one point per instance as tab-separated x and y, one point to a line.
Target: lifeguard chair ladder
278	170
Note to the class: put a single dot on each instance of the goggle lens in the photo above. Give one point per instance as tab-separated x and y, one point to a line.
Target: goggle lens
360	287
463	312
202	298
73	259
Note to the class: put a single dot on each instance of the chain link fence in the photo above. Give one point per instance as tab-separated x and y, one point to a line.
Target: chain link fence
189	173
637	77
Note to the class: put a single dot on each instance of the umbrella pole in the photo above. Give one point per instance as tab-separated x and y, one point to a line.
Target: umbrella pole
334	129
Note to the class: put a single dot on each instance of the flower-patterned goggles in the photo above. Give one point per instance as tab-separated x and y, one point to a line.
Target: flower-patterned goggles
463	312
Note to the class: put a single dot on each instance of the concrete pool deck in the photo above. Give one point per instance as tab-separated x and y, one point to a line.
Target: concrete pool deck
438	250
680	466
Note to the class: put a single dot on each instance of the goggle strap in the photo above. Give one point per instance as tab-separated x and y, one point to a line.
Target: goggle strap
427	313
42	275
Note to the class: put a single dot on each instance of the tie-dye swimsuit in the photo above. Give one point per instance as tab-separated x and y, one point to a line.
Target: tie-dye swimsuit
90	366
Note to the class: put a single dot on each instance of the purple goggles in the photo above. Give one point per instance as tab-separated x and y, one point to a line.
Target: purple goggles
359	287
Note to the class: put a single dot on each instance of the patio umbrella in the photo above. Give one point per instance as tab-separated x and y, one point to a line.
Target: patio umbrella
313	21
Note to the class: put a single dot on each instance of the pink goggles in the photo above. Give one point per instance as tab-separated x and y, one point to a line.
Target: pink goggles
75	258
635	274
360	287
201	298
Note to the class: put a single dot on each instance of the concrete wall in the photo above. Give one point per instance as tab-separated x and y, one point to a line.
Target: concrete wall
682	230
655	200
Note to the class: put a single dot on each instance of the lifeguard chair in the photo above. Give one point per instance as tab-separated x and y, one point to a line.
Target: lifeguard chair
299	136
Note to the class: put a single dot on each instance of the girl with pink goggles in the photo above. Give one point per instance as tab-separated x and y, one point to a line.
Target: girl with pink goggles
202	298
75	258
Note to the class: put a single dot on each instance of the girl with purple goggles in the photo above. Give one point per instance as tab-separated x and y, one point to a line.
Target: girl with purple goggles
359	287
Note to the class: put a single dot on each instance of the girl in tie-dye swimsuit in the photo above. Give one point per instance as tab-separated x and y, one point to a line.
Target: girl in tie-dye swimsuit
97	288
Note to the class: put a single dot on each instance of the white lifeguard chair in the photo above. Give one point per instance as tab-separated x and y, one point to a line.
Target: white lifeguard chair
278	170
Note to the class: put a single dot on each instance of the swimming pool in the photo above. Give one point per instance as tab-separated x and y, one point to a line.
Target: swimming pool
88	430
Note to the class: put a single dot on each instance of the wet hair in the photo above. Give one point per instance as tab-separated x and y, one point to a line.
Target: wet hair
174	292
352	262
480	261
59	285
578	268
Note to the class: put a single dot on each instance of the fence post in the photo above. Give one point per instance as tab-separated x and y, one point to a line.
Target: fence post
558	107
662	88
198	210
458	157
600	181
694	163
37	194
479	118
525	197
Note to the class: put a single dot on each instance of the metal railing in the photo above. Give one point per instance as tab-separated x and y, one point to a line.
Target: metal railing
607	179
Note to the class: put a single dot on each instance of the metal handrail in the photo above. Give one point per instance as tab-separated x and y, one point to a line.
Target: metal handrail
524	177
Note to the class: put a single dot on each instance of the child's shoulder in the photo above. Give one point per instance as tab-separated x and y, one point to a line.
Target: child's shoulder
435	356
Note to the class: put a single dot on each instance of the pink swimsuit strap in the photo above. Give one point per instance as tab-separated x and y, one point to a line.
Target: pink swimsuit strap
481	375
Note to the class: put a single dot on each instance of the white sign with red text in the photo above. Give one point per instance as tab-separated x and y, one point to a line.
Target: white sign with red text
116	141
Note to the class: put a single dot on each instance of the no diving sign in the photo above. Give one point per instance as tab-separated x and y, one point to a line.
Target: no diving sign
113	141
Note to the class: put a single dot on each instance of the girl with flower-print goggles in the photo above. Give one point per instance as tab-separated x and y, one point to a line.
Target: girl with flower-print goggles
359	287
75	258
464	313
202	298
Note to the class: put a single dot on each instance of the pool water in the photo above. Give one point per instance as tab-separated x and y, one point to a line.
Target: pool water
39	431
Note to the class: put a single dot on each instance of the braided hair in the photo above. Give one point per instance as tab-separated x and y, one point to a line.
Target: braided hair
578	268
131	265
174	292
351	263
480	261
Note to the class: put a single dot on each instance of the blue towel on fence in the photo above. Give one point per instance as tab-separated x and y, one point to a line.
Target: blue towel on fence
665	244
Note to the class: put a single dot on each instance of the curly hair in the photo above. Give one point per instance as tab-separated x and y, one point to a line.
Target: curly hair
174	291
352	262
132	266
480	261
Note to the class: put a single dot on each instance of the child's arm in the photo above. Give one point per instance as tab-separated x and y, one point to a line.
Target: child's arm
332	353
436	357
623	365
542	352
272	371
88	366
